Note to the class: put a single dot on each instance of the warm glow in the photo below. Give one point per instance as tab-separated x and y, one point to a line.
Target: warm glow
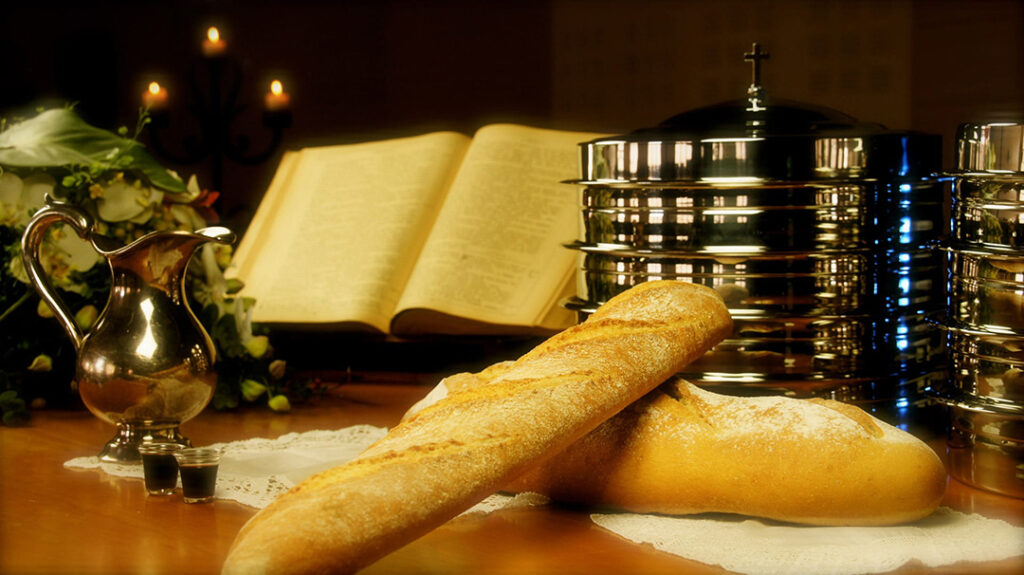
154	88
276	88
147	345
213	34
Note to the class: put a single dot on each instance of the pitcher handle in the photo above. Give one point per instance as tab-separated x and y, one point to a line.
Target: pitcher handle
32	241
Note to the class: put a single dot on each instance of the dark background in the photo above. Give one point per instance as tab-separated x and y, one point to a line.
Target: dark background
359	70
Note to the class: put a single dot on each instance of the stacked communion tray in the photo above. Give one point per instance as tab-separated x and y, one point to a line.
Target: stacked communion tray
818	231
985	322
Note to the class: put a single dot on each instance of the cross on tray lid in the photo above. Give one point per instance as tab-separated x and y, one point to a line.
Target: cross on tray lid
755	93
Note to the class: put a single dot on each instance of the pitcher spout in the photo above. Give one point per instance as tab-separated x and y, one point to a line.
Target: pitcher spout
180	241
160	257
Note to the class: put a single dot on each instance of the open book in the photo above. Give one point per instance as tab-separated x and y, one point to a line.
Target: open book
433	234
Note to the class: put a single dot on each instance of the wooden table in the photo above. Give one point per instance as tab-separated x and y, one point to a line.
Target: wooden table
56	520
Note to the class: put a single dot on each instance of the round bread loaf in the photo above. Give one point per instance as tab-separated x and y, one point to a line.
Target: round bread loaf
684	450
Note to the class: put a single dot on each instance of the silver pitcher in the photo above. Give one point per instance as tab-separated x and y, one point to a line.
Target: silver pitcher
146	365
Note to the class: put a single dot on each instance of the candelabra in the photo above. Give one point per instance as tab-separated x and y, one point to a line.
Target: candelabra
216	108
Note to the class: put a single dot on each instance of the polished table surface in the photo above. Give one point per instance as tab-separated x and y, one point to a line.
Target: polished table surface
56	520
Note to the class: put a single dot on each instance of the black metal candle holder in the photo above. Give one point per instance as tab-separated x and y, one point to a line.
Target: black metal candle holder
215	110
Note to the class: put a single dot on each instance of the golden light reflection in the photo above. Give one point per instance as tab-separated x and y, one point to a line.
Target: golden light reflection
147	347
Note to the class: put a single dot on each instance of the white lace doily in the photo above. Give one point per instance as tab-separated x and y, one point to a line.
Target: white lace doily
756	547
255	471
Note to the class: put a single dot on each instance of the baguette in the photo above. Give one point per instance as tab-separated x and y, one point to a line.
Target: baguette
452	454
682	450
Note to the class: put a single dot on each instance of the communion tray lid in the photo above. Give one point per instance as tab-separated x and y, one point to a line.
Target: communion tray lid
759	142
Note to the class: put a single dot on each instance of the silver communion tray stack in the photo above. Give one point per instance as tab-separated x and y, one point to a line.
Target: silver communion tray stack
985	319
817	230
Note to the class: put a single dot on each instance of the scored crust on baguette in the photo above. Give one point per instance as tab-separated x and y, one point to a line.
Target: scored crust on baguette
683	450
452	454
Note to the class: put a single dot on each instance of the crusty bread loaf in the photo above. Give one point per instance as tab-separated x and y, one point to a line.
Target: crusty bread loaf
454	453
683	450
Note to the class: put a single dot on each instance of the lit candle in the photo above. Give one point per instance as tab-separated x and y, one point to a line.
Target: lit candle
214	45
276	99
155	97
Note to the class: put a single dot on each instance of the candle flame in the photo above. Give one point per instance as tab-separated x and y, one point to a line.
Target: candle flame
213	34
154	88
276	88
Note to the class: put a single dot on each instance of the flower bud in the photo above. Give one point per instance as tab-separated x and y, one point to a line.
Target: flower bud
44	310
17	269
251	389
86	316
234	286
224	254
277	368
257	346
279	403
41	363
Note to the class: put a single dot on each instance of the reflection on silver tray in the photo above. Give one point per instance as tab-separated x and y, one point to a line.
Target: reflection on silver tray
987	449
989	214
777	218
986	290
985	365
985	441
693	229
812	283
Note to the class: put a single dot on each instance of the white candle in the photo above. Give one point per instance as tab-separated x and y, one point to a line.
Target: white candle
276	99
214	45
155	96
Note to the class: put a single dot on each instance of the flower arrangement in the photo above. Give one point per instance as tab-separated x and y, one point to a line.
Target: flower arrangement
129	194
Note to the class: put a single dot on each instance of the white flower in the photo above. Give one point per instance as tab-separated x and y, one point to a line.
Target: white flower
243	320
78	253
121	201
21	197
62	253
216	285
192	187
187	215
62	250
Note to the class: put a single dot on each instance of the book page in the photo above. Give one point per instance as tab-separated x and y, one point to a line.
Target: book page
344	228
253	241
496	252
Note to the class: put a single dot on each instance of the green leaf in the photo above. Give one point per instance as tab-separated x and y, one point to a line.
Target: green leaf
16	417
60	138
208	316
224	398
226	336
